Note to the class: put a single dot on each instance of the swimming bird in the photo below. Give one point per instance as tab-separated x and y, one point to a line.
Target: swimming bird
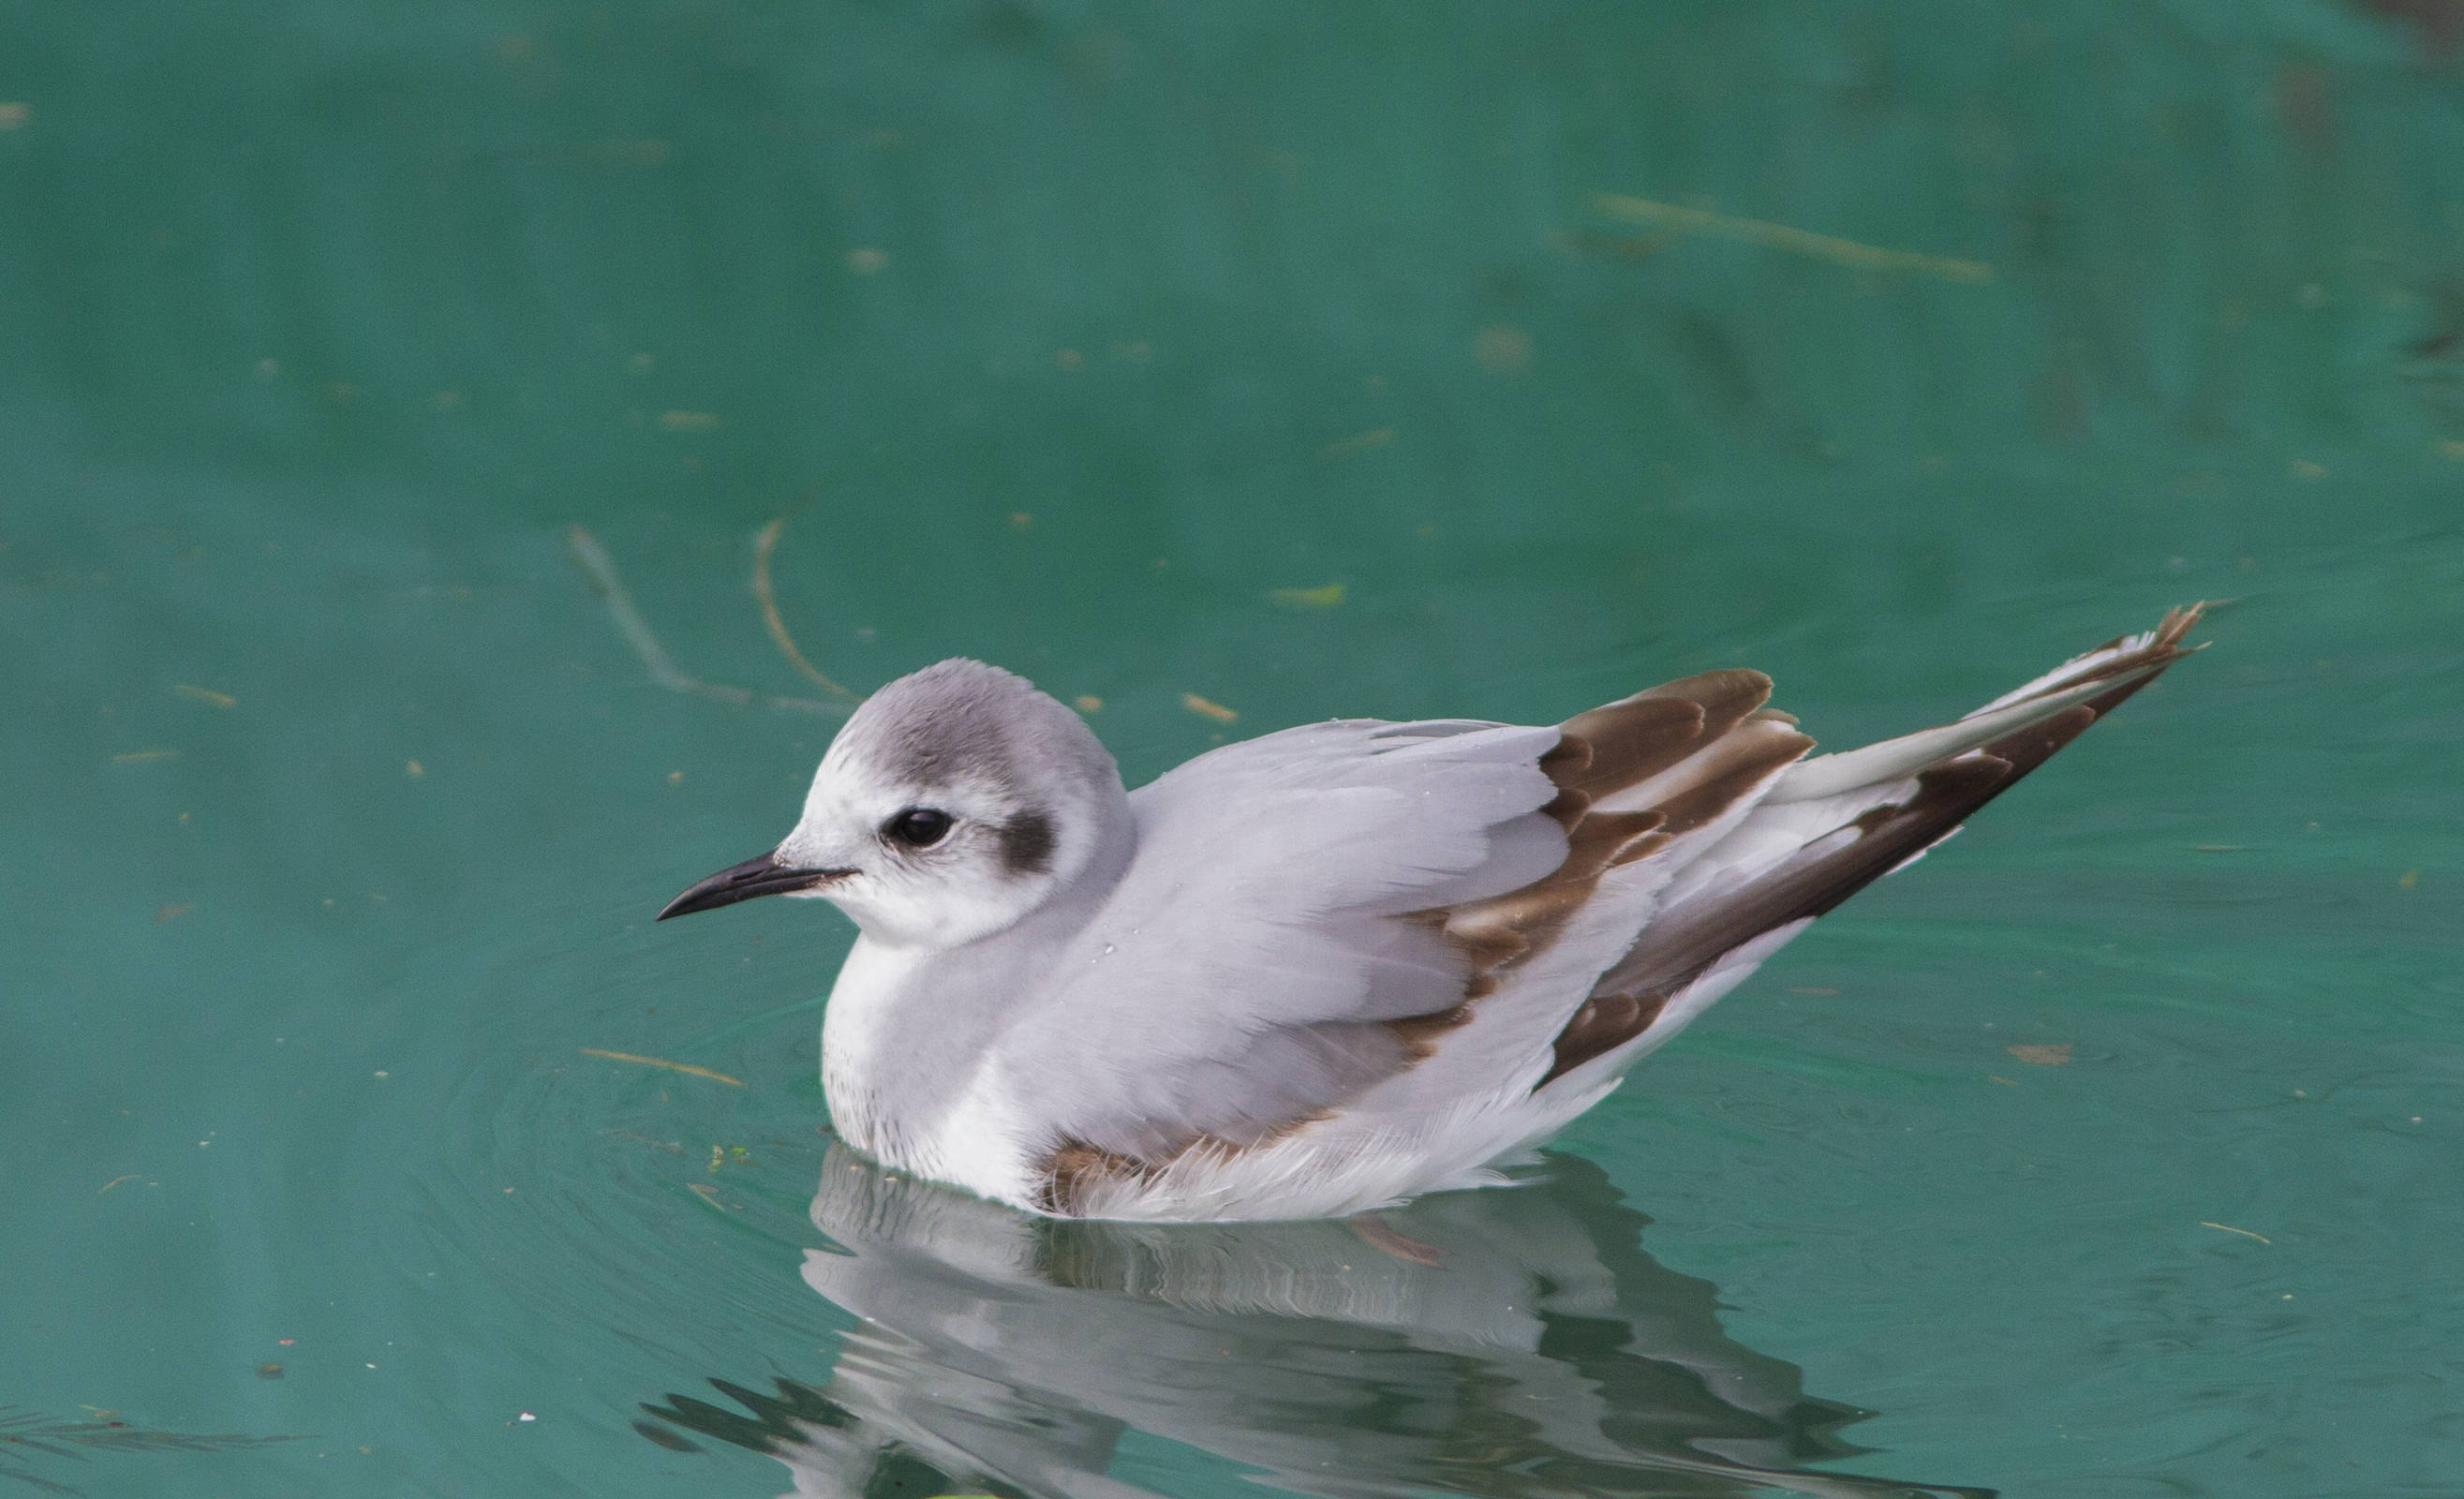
1318	972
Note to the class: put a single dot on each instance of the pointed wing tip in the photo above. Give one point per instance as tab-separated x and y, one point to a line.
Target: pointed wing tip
2178	622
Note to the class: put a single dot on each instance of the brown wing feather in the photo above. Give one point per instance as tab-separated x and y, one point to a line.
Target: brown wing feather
1678	950
1709	734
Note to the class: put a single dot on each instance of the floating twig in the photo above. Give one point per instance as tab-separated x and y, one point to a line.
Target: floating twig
1782	236
686	1067
601	569
2231	1230
762	545
1206	709
2054	1054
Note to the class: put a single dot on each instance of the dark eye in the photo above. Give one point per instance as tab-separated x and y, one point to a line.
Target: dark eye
917	827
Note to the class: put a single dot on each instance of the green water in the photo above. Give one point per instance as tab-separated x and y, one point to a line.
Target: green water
338	799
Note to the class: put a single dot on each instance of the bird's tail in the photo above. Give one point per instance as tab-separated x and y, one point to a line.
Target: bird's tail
1830	826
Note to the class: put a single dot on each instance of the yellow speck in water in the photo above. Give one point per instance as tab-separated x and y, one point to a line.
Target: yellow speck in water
1207	708
1326	596
1502	349
1088	702
413	769
15	115
676	778
2408	879
205	694
2056	1054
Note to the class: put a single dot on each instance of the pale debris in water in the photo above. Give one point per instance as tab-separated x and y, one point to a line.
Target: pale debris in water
1325	596
1786	238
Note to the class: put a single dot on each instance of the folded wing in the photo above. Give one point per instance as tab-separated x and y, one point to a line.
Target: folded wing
1263	965
1460	933
1361	892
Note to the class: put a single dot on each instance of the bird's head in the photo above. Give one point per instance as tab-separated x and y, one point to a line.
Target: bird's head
954	803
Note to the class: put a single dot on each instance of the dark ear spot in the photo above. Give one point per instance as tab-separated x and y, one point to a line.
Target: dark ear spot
1027	844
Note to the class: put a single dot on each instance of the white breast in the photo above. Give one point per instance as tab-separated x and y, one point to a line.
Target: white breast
901	1090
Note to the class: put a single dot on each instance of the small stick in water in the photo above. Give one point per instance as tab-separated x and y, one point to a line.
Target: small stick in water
686	1067
601	569
762	545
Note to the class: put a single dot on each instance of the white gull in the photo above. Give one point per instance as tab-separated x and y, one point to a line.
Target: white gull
1314	973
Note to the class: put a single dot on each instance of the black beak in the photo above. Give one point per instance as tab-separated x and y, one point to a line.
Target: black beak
761	877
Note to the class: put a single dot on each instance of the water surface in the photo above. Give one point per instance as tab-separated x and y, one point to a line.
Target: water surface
1290	359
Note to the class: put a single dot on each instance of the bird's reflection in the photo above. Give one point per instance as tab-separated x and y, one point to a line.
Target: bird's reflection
1501	1342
